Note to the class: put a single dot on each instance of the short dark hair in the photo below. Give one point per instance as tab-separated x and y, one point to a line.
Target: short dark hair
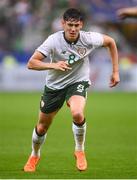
73	14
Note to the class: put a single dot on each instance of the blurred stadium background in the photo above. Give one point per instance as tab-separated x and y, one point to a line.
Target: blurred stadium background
112	117
24	25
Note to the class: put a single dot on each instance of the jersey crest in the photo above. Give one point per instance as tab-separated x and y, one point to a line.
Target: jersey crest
81	51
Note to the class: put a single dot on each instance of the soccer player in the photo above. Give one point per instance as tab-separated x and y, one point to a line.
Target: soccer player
67	80
127	12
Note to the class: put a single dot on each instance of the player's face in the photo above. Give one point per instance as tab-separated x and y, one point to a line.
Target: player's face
71	29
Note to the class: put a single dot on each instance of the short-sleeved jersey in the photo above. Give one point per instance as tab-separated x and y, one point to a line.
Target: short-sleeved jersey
76	54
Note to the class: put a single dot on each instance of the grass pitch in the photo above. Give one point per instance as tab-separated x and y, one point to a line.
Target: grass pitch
111	143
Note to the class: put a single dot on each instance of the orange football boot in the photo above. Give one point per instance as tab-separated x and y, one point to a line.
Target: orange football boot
81	162
30	166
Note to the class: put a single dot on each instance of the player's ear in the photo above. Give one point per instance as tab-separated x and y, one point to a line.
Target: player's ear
81	24
62	22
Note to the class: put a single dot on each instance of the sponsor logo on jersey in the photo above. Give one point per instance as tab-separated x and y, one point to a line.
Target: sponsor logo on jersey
63	52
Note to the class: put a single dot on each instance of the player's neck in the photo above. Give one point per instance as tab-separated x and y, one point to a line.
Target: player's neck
69	41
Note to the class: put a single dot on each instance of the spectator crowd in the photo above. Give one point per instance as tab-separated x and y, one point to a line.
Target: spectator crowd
24	24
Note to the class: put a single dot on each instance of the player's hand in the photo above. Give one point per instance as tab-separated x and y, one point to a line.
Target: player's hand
61	65
114	80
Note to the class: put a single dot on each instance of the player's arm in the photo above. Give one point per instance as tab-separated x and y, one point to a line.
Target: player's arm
111	45
36	62
127	12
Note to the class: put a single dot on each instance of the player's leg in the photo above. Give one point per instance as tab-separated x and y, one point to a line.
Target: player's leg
51	102
38	138
40	131
76	100
77	104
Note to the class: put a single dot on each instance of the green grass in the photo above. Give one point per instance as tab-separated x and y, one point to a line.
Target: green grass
111	144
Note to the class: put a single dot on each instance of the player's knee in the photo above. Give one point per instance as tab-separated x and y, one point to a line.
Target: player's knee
41	128
78	116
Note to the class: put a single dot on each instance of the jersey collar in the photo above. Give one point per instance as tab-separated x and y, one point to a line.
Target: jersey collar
69	42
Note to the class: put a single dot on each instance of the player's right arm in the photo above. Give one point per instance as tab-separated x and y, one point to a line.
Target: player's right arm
36	62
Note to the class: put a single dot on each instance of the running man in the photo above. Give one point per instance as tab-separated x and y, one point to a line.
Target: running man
67	80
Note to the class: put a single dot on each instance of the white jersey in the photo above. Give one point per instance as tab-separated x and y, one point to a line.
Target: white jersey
76	54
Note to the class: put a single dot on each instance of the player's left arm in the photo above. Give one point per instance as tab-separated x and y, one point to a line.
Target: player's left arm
111	45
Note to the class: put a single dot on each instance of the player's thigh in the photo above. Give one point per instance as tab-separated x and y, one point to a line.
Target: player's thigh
77	102
51	101
45	121
46	118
